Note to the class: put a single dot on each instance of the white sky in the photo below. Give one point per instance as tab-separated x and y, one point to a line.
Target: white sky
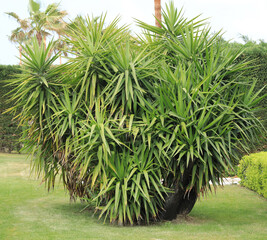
235	17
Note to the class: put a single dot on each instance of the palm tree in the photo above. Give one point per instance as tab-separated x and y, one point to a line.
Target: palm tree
20	34
157	5
60	27
40	24
43	22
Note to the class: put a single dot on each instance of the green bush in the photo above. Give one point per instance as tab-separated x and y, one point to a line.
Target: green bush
253	172
257	54
9	130
138	127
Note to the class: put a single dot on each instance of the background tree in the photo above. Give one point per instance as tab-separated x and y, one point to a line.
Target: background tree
21	34
40	24
43	22
60	28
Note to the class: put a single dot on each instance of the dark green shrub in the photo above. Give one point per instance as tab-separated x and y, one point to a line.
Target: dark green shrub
9	130
252	171
257	54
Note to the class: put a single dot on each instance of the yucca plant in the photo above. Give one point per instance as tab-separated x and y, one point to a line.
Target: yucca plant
35	92
203	119
139	127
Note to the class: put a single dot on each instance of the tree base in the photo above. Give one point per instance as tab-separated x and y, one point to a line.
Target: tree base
179	203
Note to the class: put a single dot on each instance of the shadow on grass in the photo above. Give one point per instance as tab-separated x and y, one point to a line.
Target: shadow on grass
77	209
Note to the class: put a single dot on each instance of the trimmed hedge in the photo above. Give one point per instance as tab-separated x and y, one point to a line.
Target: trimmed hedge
252	171
9	131
257	52
259	73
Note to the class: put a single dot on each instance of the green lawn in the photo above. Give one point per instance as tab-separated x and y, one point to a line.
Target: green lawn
27	212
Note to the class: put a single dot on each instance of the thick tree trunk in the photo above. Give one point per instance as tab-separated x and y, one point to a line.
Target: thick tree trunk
180	202
157	5
187	203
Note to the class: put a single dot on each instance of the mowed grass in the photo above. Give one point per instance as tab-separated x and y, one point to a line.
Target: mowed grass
27	212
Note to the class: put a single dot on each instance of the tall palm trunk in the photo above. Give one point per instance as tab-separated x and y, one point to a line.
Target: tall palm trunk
20	55
157	5
59	37
39	38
